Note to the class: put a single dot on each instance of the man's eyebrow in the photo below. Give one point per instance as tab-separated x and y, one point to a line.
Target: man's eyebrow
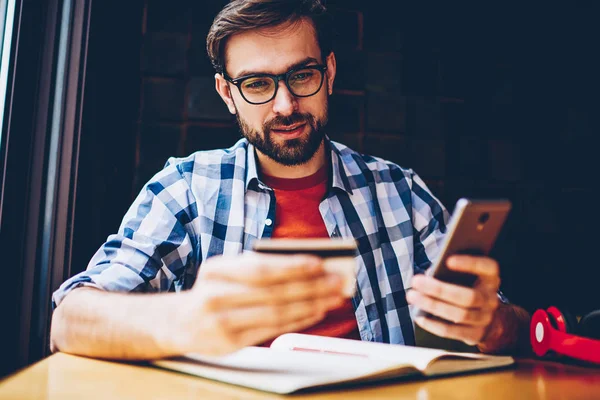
302	63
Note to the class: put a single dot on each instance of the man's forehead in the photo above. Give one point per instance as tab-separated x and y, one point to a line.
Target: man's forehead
271	50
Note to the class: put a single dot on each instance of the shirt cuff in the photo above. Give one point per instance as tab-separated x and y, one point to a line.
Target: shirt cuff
62	292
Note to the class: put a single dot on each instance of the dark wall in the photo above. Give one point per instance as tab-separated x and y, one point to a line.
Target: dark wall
110	114
492	101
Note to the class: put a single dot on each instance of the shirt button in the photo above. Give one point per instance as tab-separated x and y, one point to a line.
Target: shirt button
268	222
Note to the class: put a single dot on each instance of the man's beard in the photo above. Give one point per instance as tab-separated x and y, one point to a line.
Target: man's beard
291	152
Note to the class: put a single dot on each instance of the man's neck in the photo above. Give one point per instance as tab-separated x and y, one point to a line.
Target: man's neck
273	168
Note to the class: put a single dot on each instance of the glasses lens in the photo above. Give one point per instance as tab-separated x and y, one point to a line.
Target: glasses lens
258	89
305	82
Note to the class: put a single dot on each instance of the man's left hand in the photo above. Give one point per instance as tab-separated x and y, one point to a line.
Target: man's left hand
470	310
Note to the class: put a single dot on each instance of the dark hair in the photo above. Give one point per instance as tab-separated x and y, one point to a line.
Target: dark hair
243	15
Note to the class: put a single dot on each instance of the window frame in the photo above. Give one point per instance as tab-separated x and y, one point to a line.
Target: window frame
40	153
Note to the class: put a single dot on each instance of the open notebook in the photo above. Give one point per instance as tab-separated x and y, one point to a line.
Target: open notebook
297	361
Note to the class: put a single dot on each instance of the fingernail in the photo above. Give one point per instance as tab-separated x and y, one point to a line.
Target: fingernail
316	267
314	264
336	302
334	280
416	281
451	261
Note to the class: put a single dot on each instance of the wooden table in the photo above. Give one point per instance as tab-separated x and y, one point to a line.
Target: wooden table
63	376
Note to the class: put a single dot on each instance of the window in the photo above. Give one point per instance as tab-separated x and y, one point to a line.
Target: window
7	13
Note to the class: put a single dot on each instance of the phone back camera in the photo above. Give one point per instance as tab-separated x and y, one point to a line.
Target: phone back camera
483	218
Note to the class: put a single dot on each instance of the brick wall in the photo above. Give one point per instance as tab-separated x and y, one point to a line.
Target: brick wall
489	102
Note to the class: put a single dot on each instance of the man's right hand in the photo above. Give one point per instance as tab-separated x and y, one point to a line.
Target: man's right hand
248	299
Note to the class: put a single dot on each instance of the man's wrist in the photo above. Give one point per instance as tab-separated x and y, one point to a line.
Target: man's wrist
171	333
508	332
495	331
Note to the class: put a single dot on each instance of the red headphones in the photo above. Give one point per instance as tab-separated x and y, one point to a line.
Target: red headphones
553	329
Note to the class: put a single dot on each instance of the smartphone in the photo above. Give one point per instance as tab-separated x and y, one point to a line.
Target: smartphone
472	229
339	255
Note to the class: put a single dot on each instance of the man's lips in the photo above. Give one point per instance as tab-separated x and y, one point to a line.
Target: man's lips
287	128
289	131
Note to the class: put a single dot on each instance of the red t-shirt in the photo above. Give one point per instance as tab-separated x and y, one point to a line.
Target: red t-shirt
297	216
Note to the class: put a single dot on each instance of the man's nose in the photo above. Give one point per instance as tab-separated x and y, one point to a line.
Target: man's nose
284	103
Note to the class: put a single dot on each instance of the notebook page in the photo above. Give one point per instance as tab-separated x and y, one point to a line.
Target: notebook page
280	371
417	356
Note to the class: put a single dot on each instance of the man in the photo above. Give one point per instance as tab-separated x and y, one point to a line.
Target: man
191	223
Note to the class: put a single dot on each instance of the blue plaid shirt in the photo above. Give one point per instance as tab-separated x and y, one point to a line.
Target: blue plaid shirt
213	203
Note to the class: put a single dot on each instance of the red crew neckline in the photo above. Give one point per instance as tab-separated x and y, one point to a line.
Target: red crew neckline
296	183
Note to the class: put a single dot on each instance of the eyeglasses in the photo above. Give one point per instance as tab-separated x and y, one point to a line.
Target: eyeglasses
262	88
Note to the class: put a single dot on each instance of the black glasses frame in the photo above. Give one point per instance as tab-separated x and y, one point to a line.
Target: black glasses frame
276	78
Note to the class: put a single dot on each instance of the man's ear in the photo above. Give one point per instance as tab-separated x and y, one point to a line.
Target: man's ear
331	69
223	90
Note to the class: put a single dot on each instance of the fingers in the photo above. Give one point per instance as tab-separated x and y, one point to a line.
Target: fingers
485	268
262	270
467	333
283	293
449	312
275	316
247	299
260	335
237	328
452	294
469	310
